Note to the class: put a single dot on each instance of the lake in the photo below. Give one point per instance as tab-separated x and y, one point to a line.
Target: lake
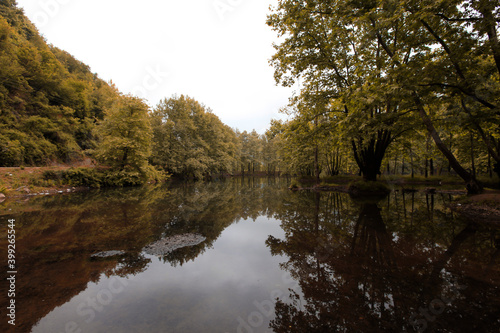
271	260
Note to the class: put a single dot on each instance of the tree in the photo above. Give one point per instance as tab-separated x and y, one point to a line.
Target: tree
49	101
345	75
189	140
380	60
125	138
443	62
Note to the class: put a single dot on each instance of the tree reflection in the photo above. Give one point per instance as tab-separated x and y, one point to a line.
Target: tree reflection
357	276
361	266
58	234
130	264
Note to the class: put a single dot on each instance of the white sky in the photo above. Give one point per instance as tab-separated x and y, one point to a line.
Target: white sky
215	51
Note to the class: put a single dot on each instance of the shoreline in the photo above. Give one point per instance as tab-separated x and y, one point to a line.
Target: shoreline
23	182
27	182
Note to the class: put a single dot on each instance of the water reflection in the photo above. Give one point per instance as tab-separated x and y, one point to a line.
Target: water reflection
403	263
57	235
382	267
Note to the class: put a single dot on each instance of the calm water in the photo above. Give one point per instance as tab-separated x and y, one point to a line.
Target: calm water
273	261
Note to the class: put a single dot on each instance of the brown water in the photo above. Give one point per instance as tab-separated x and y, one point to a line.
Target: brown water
273	261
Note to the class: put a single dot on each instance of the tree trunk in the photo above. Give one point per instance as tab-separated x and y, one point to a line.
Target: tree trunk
369	157
490	26
124	158
472	158
490	169
472	184
316	164
337	162
411	161
491	143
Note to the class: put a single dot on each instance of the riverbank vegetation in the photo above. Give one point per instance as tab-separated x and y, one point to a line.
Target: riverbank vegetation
55	111
393	90
390	87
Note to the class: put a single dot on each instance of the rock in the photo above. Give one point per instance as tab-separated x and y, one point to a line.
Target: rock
24	189
170	244
107	254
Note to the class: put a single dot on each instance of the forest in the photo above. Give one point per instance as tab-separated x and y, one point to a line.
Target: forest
407	88
54	110
401	86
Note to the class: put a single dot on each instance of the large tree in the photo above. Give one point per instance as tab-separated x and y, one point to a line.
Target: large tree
344	73
190	141
385	58
125	137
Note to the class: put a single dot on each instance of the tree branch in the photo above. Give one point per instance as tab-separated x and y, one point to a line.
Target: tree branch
446	48
468	19
478	127
463	90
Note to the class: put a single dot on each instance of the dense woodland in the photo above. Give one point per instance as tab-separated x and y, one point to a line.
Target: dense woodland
384	87
398	85
55	110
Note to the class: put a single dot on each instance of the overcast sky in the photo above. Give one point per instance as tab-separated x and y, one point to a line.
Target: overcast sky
215	51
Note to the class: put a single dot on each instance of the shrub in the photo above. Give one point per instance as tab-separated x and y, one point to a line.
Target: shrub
364	188
52	175
84	177
125	177
294	184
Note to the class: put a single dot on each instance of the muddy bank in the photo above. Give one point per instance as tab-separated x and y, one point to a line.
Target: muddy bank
482	208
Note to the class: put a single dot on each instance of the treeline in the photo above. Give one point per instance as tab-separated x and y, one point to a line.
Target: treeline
390	86
190	141
53	109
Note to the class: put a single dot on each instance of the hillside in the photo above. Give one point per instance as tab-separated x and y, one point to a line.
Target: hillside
49	101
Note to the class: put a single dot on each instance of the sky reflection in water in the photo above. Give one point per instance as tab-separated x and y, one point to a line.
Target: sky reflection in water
404	263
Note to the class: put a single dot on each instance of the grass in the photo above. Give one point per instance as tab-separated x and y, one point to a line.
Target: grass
14	180
490	198
362	188
437	180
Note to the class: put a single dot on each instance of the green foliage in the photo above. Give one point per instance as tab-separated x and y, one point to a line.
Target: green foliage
377	72
125	142
83	177
190	141
53	175
100	177
49	101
